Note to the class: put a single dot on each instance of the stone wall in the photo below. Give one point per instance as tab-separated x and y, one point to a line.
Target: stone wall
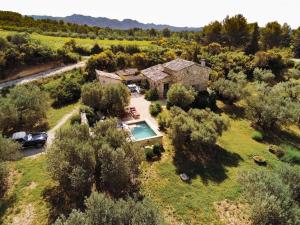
107	80
159	85
194	76
150	141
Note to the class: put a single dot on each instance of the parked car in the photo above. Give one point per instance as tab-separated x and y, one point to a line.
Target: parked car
133	88
30	139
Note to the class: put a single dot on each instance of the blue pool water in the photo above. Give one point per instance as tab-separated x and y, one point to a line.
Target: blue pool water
141	130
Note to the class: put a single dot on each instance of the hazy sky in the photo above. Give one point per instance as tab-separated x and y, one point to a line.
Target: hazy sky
174	12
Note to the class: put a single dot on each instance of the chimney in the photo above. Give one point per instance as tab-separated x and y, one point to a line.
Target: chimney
203	62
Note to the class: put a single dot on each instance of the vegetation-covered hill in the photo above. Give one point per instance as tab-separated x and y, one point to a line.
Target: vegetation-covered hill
103	22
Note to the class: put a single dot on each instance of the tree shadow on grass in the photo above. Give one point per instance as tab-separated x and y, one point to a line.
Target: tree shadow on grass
232	110
214	170
5	203
277	137
59	204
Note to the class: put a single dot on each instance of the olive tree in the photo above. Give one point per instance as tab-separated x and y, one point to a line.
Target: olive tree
263	75
101	209
107	161
196	131
71	161
24	107
180	96
274	106
91	95
115	98
271	195
231	89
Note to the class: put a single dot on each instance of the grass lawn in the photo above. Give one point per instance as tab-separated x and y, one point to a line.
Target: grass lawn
58	42
24	203
56	114
193	203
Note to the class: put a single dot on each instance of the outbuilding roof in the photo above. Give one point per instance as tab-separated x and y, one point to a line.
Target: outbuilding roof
178	64
155	73
127	72
108	75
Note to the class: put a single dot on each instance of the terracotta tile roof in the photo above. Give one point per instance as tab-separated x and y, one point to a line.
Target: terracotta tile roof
178	64
127	72
108	75
155	73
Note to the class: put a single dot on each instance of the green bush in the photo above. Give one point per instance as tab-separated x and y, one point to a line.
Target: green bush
292	155
153	151
163	119
272	195
149	153
158	149
181	96
90	114
152	95
258	136
67	91
155	109
75	119
205	99
70	57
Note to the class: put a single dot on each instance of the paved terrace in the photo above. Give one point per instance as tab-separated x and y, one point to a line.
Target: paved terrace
142	106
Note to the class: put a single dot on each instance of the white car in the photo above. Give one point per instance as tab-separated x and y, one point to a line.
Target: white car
134	88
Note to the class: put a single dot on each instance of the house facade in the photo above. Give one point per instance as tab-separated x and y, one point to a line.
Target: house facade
190	74
107	78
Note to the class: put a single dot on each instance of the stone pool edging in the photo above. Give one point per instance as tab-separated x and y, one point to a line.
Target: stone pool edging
147	141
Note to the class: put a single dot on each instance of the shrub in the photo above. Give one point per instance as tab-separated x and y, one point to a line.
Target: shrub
292	155
75	119
149	153
205	99
158	149
258	136
155	109
90	114
67	91
263	75
70	57
152	95
154	151
271	195
180	96
163	119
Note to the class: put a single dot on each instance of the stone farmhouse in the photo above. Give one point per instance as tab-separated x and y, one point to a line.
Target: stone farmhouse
163	76
188	73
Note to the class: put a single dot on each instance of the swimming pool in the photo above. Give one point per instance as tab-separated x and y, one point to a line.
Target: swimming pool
141	130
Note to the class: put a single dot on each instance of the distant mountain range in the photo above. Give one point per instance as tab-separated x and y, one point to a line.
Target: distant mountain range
114	23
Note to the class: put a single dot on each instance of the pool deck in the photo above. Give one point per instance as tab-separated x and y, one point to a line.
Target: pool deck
142	107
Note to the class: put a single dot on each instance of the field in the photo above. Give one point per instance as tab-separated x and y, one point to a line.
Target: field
55	114
57	42
25	202
193	202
